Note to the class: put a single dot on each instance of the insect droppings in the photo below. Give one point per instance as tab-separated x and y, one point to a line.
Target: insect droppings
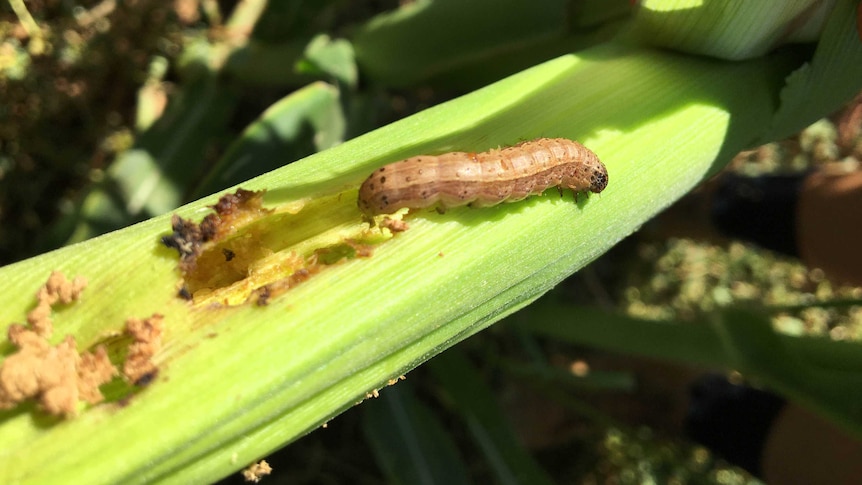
482	179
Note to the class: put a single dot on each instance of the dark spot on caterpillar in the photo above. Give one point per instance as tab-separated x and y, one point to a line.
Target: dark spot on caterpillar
599	181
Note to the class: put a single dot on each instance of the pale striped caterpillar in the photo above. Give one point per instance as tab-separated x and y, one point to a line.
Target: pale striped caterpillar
482	179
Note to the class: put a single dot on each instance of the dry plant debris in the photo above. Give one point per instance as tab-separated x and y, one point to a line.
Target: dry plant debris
231	210
56	289
394	225
57	376
256	471
147	334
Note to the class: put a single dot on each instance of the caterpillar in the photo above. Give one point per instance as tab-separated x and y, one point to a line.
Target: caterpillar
482	179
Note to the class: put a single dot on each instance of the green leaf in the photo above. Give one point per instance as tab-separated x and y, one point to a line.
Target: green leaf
826	82
305	121
476	404
818	372
409	441
741	30
259	63
330	57
424	40
755	349
729	29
